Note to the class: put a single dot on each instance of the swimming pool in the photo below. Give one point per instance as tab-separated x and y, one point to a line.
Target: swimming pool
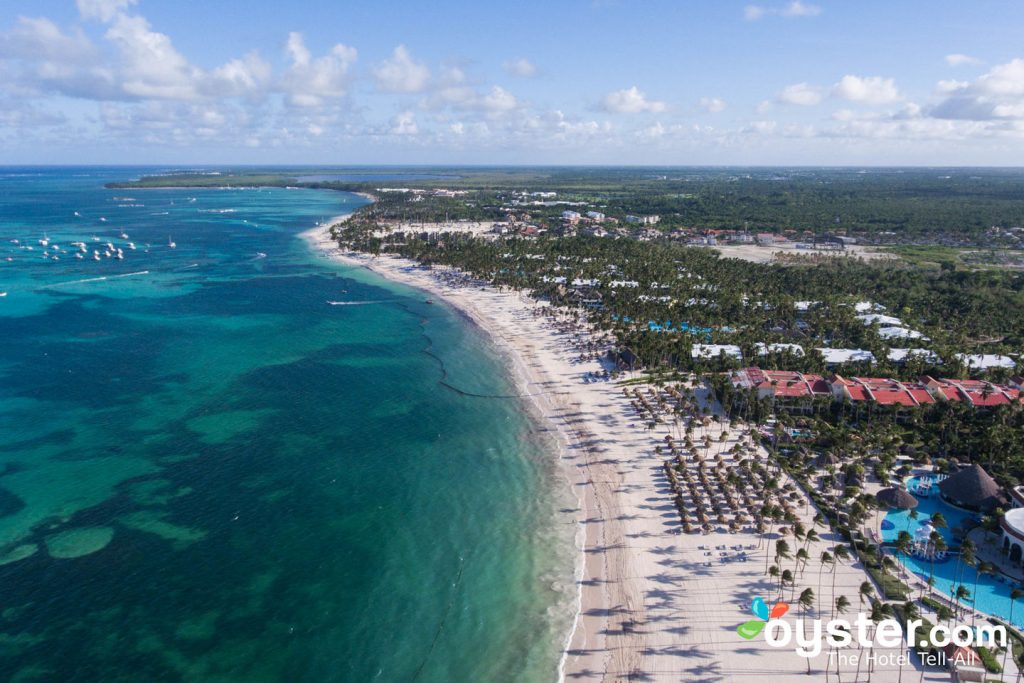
993	594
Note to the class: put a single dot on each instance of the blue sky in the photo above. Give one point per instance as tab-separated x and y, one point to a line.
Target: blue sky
563	81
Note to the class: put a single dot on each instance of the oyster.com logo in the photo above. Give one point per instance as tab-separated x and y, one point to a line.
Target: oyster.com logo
751	629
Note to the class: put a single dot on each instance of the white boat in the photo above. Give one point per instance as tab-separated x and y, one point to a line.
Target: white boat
78	214
119	254
171	243
103	219
3	293
45	241
131	245
95	255
78	254
124	235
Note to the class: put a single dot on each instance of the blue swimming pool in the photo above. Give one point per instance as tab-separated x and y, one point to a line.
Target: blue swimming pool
992	595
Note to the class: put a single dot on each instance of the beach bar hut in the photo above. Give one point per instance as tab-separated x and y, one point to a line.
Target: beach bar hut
972	488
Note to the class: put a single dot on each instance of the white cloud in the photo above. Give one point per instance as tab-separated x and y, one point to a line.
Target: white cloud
871	90
499	99
753	12
245	76
795	8
1004	80
998	94
308	81
800	9
41	39
150	65
802	94
103	10
957	59
404	124
521	67
400	73
712	104
631	101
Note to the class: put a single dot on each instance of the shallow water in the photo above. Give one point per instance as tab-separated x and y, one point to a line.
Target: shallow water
210	473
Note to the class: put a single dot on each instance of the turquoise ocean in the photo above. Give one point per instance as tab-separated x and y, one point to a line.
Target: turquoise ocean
210	473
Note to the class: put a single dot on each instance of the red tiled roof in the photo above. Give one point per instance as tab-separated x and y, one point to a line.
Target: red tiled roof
995	398
890	397
922	396
858	393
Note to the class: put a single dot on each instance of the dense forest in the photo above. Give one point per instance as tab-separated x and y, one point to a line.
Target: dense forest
956	204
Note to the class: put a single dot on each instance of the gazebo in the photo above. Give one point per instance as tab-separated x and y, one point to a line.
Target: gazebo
897	498
972	488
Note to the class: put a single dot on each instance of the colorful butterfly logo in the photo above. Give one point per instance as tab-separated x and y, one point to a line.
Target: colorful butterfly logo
749	629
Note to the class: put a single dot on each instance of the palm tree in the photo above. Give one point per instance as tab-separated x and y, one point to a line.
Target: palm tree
826	558
982	568
805	601
1015	595
787	577
903	544
841	553
841	605
910	612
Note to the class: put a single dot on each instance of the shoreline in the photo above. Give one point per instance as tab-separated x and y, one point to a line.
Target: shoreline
653	603
319	241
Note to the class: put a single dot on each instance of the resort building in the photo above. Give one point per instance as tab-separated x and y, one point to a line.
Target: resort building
716	351
841	356
792	391
888	392
985	361
643	220
1012	525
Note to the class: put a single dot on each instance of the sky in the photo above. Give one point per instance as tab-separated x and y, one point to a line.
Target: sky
622	82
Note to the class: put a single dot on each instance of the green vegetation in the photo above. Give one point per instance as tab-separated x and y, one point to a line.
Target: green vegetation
988	659
962	205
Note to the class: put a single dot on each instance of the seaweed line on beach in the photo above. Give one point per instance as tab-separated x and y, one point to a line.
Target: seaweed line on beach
427	350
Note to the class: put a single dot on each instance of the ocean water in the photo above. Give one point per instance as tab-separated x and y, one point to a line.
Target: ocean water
207	472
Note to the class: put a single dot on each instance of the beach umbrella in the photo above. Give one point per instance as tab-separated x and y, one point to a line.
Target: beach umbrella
895	497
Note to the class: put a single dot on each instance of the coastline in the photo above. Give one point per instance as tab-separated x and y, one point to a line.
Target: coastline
652	603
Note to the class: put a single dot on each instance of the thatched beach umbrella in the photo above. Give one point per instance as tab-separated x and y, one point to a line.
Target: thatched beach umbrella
972	487
897	498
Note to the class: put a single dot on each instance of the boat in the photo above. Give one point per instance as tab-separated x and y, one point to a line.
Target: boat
3	293
124	235
429	301
171	244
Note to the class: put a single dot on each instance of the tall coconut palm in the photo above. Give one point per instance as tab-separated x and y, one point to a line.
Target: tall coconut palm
1015	595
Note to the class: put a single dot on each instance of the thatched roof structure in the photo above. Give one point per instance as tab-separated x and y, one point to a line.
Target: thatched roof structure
973	488
897	498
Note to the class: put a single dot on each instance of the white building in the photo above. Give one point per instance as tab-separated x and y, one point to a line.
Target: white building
716	350
643	220
595	216
985	361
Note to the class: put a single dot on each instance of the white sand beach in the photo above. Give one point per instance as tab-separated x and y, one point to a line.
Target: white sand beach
656	604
